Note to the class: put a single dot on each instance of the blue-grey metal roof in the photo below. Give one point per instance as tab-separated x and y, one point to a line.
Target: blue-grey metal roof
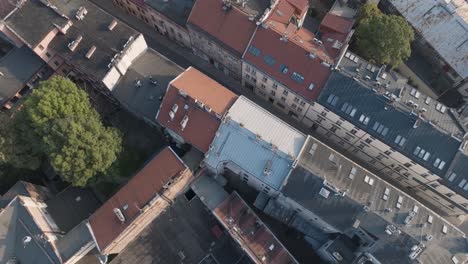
379	109
16	223
459	181
17	67
240	146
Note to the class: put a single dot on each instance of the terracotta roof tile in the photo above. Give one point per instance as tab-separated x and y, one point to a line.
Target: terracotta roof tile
334	31
293	54
256	239
232	27
135	194
333	23
201	87
202	125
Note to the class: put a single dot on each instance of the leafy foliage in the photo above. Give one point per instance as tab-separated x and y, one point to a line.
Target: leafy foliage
384	39
58	124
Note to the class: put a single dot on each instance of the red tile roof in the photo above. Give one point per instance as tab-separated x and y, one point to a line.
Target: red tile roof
232	27
201	87
252	234
293	54
148	182
333	23
202	125
335	31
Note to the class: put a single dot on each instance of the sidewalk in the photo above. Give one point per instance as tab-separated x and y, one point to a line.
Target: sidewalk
185	58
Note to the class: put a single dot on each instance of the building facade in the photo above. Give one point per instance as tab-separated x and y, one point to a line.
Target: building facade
286	63
393	131
167	18
222	37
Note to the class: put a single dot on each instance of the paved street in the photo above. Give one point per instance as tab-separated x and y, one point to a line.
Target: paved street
185	58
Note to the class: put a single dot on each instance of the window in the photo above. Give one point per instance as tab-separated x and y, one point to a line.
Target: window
247	68
265	79
400	141
364	119
348	109
48	55
462	183
273	93
41	47
302	103
254	51
379	128
297	77
283	68
283	99
293	106
268	60
332	99
311	86
428	100
296	99
415	93
263	86
438	163
421	153
299	109
275	86
285	92
369	180
386	194
352	173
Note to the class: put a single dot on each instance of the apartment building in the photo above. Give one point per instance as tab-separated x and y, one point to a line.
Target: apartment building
192	108
20	71
326	193
409	138
349	214
169	18
440	28
220	31
254	145
75	38
121	218
287	64
35	230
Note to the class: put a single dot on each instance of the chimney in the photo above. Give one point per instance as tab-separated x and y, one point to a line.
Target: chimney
112	25
81	13
90	52
72	45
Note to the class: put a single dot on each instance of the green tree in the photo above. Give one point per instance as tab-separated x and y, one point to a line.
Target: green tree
61	127
368	11
384	39
15	150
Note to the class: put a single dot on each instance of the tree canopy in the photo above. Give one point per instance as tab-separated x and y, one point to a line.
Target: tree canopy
58	124
384	39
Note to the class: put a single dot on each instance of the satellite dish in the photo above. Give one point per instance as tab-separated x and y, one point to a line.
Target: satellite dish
26	240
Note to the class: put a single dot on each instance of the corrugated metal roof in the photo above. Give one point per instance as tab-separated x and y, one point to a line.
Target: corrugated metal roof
267	126
241	147
442	24
398	122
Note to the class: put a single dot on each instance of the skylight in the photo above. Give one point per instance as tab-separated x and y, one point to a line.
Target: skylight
332	99
254	51
283	68
400	140
297	77
269	60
